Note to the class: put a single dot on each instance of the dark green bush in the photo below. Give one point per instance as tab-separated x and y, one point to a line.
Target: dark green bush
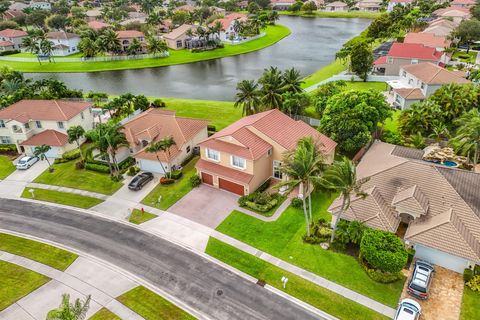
467	274
297	203
157	103
80	165
383	277
320	232
187	160
117	178
264	186
383	251
177	174
212	128
128	162
9	52
259	201
133	171
8	147
97	167
411	254
392	137
71	155
195	181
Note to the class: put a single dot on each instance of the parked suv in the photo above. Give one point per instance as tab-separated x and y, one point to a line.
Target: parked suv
408	309
139	181
421	279
26	162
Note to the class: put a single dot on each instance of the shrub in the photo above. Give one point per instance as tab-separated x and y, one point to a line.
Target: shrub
383	251
392	137
97	167
411	254
9	52
382	277
264	186
128	162
133	171
467	275
117	178
262	207
187	160
80	165
60	160
297	203
195	181
320	232
211	128
71	155
474	283
164	180
259	201
157	103
8	147
177	174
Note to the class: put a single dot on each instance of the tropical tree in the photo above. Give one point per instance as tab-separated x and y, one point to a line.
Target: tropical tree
163	145
107	138
341	177
248	97
294	104
70	311
292	81
156	147
75	133
361	59
115	139
271	81
167	143
46	47
468	32
134	47
309	7
467	139
88	47
155	46
109	41
40	152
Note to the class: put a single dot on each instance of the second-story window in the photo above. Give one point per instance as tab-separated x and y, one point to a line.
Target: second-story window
2	124
27	126
60	125
39	124
239	162
213	155
82	115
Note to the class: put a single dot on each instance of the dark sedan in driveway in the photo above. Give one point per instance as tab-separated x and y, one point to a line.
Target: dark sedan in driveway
140	180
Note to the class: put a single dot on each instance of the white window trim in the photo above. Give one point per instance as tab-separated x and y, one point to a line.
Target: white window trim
216	160
238	167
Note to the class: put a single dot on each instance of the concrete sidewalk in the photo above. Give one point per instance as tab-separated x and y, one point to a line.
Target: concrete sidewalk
69	190
83	277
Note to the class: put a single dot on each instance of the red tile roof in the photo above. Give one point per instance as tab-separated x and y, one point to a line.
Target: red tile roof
414	51
97	25
12	33
211	167
381	60
49	137
427	39
126	34
6	43
228	19
462	2
54	110
401	1
62	35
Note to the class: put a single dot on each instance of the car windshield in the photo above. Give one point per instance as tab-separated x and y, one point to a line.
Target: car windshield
22	161
416	287
406	310
135	180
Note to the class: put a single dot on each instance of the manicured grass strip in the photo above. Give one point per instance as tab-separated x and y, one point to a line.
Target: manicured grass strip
324	73
283	238
171	193
470	305
151	306
66	175
104	314
6	167
138	217
465	57
51	256
273	35
359	85
69	199
17	282
297	287
329	14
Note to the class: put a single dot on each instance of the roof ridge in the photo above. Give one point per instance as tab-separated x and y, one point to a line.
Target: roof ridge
59	108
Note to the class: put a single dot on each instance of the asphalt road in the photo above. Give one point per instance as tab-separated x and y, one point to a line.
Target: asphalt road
179	272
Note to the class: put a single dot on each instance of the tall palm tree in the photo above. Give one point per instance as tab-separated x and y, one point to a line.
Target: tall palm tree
46	48
248	96
75	133
156	147
155	46
167	143
134	47
40	152
342	177
31	44
70	311
115	139
109	41
88	47
271	82
467	139
292	81
303	166
99	138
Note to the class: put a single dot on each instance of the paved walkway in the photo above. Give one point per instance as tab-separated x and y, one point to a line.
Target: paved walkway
81	278
69	190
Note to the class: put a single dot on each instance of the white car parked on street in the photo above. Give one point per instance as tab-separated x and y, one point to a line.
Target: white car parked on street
26	162
408	309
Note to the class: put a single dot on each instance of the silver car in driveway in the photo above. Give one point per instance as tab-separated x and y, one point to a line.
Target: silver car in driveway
26	162
408	309
421	279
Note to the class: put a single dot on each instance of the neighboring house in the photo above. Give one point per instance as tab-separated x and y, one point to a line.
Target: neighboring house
438	206
13	38
441	27
185	8
281	5
43	5
463	3
218	10
12	14
245	154
401	54
155	124
419	81
369	5
18	6
228	26
394	3
177	38
126	37
94	14
428	39
97	25
31	123
456	14
64	43
336	6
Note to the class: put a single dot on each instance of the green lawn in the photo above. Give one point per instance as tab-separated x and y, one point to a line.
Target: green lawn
30	55
151	306
326	14
459	55
324	73
283	239
470	305
69	199
138	217
273	35
6	167
104	314
391	124
171	193
17	282
358	85
298	287
66	175
40	252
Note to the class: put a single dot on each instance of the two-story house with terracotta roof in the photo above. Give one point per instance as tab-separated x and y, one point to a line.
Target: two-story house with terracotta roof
245	154
11	39
31	123
126	37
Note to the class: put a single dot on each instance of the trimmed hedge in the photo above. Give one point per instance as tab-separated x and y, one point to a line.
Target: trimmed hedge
195	181
8	147
383	251
261	207
467	274
124	164
177	174
382	277
259	201
97	167
72	154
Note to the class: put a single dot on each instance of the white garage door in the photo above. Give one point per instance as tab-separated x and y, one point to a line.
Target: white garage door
52	153
151	166
440	258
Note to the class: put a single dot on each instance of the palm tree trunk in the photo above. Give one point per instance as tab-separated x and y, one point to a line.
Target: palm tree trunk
78	145
306	216
310	205
161	164
336	221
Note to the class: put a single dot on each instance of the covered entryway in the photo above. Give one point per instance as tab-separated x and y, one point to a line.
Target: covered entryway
231	186
207	178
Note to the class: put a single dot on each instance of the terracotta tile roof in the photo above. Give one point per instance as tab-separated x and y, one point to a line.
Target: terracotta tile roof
229	18
62	35
6	43
462	2
414	51
12	33
401	1
453	12
49	137
54	110
178	32
10	14
410	93
427	39
275	125
97	25
449	197
433	74
127	34
337	4
232	174
381	60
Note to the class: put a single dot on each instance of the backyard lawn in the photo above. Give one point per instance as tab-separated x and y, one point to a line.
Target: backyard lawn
463	56
69	199
283	239
391	124
151	306
359	85
138	217
470	305
6	167
298	287
66	175
171	193
17	282
104	314
324	73
40	252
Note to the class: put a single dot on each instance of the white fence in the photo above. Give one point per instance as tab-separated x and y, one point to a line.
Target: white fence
349	77
311	121
234	43
92	59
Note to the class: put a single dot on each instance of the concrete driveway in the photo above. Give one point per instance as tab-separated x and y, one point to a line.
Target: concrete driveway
206	205
14	184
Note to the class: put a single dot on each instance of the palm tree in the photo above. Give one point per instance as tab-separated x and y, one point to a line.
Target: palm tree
248	97
88	47
46	48
154	18
40	152
342	177
75	133
167	143
467	139
156	147
292	81
99	138
303	166
155	46
70	311
115	139
31	45
109	41
134	47
271	82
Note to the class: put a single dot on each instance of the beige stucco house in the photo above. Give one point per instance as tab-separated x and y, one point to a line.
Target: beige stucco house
31	123
244	155
176	39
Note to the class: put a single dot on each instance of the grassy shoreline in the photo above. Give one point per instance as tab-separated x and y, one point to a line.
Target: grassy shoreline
273	35
327	14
